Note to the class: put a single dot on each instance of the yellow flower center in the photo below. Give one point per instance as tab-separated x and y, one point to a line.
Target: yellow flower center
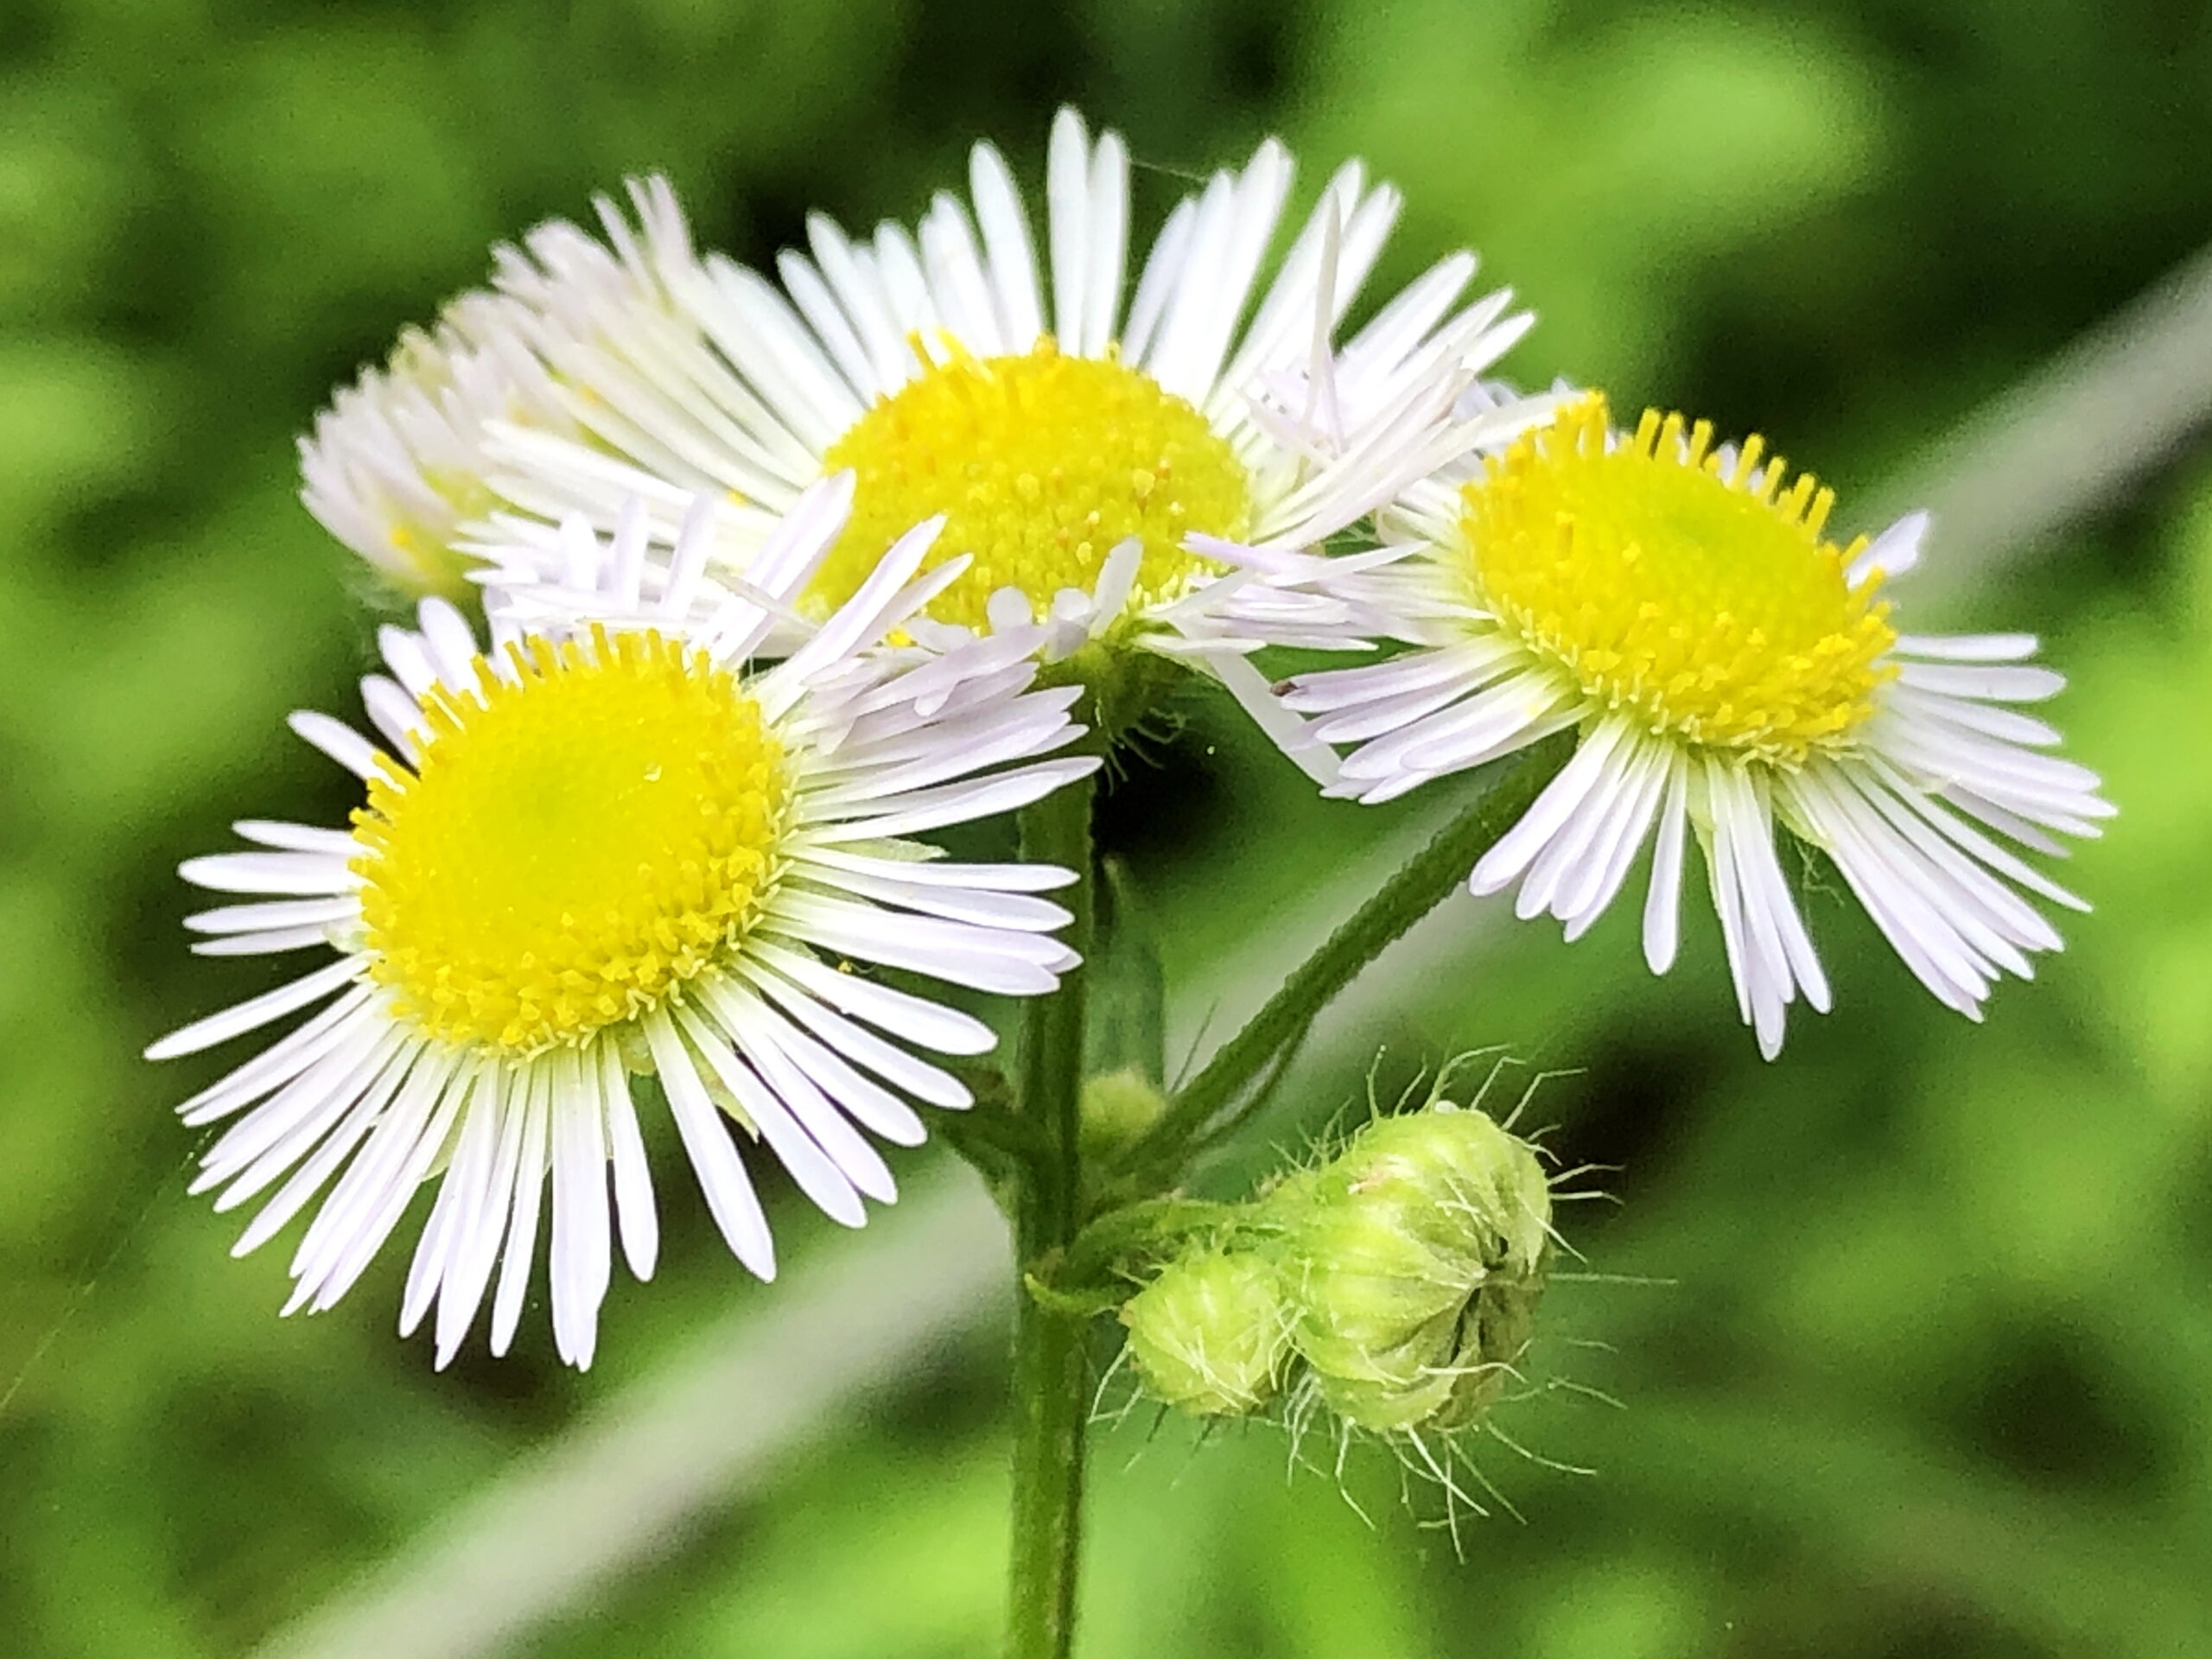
1043	465
1698	596
577	844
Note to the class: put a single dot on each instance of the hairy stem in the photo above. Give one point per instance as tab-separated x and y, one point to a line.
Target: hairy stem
1052	1379
1424	882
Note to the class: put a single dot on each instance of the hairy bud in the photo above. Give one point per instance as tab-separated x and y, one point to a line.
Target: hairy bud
1412	1263
1210	1334
1117	1107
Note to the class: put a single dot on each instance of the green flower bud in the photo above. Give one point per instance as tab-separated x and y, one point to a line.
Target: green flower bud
1210	1334
1494	1334
1117	1107
1413	1262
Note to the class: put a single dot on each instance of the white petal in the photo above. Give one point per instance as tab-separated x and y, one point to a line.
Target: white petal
273	942
256	1011
1893	552
1163	275
729	1190
1067	202
333	1150
1562	798
287	1057
450	642
370	1200
299	838
293	912
912	1018
481	1226
521	1250
634	1190
1663	901
869	1103
459	1193
985	959
1585	897
1108	244
1006	241
581	1252
270	1140
338	741
1993	683
818	1175
888	1061
1967	647
950	804
304	873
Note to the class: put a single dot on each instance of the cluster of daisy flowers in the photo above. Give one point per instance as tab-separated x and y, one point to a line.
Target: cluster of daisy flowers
780	572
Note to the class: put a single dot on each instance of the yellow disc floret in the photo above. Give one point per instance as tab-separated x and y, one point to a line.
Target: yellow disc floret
577	843
1688	587
1043	465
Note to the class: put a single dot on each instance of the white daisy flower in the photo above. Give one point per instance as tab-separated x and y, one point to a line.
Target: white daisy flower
611	848
397	466
400	466
1074	435
1725	668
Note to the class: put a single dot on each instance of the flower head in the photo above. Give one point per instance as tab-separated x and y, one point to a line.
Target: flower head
408	466
1729	669
613	847
1080	440
397	466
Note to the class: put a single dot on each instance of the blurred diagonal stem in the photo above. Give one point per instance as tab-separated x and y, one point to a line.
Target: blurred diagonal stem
1422	883
1052	1379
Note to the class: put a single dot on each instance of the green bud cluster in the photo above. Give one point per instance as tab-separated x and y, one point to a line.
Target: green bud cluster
1211	1333
1403	1276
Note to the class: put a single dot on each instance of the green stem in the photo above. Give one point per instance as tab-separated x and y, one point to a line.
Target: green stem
1052	1375
1424	882
1129	1237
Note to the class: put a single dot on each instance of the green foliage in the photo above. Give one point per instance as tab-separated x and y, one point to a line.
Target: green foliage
1929	1374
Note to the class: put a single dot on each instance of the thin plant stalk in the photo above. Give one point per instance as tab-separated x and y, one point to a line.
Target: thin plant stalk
1423	882
1052	1373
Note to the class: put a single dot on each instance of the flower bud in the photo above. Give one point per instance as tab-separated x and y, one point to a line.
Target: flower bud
1413	1262
1210	1334
1117	1107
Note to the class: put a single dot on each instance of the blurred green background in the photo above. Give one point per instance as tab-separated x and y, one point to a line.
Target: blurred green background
1931	1374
